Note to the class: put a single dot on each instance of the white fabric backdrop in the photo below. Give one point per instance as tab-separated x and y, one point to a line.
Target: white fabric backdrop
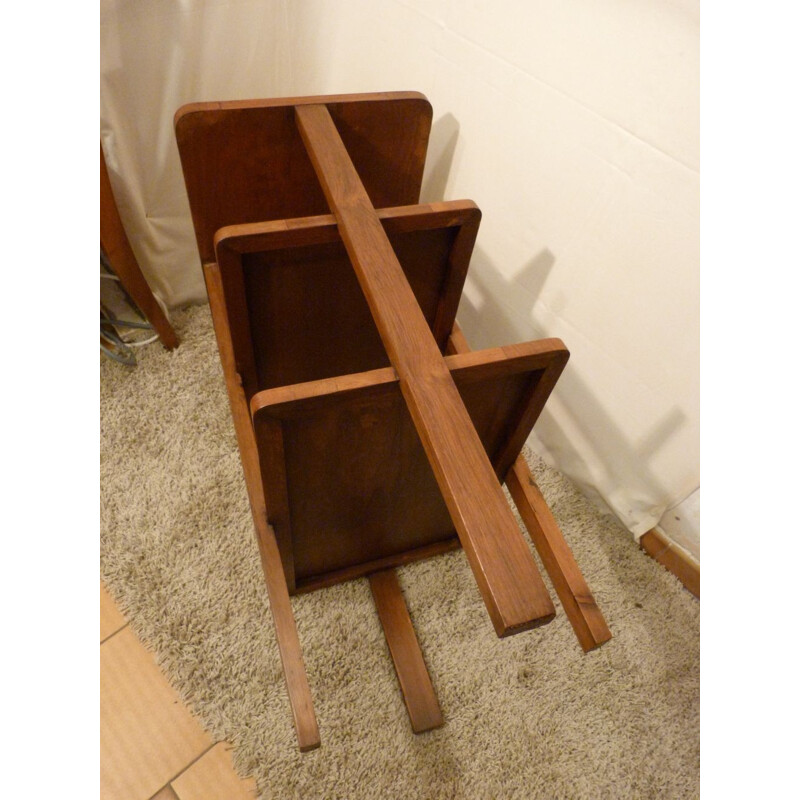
574	125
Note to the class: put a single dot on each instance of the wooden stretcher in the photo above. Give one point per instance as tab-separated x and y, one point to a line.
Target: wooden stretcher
370	435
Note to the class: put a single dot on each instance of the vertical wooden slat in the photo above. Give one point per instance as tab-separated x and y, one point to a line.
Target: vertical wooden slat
579	604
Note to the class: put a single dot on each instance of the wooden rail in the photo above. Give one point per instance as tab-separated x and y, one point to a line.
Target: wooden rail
114	242
512	588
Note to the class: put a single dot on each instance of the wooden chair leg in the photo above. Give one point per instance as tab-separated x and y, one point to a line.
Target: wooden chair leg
579	605
415	683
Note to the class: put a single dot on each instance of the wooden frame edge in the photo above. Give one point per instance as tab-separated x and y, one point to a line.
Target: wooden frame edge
278	102
326	579
300	700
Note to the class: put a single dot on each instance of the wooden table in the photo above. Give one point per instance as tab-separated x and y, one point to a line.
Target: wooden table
370	436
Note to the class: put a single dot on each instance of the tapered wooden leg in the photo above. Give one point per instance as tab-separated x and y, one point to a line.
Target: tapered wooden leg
305	722
579	605
415	683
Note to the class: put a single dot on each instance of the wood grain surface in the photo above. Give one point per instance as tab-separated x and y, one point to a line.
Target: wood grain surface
579	604
361	492
296	310
272	560
512	588
243	160
409	664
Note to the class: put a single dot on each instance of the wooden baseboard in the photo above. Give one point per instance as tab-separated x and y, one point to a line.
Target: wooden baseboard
656	545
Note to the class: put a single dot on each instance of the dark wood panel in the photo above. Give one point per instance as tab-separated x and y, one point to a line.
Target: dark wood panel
244	161
297	311
360	487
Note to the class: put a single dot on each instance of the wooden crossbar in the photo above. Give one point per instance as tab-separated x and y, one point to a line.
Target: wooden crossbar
512	588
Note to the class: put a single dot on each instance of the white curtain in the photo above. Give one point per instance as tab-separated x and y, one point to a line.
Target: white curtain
574	125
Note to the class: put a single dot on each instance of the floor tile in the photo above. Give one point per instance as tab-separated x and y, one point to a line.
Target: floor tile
167	793
111	618
147	736
212	777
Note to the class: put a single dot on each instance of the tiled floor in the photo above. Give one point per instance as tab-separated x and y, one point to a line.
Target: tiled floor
151	748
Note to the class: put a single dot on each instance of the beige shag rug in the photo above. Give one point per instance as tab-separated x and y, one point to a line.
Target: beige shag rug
531	716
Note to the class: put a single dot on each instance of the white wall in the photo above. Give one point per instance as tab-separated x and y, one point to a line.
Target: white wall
572	123
681	525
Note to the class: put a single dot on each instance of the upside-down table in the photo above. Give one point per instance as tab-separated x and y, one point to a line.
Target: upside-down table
370	435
